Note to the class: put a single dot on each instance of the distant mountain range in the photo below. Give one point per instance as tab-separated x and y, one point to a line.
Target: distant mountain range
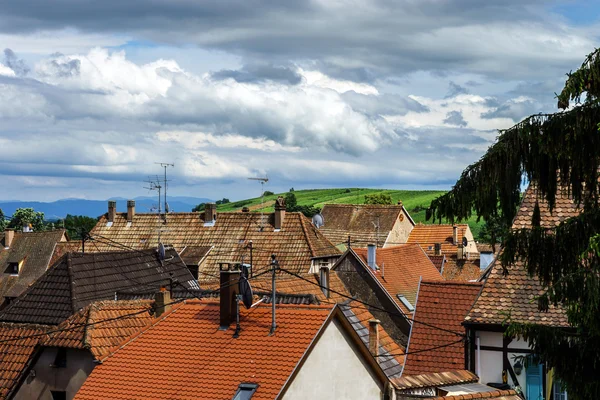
94	208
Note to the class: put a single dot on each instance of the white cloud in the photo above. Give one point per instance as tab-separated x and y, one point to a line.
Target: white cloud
4	70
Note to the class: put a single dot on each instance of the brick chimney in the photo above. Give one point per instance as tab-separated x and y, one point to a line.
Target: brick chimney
9	235
130	210
229	277
210	212
112	210
279	212
162	302
455	235
374	337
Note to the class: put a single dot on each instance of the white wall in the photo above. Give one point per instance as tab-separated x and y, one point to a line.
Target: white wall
400	231
334	370
491	361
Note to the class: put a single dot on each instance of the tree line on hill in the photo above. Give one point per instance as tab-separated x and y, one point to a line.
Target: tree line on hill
75	225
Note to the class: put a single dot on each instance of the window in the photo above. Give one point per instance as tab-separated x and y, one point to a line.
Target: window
13	268
406	303
58	395
60	361
245	391
558	392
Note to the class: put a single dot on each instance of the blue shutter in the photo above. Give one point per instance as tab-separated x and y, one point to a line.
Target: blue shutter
535	389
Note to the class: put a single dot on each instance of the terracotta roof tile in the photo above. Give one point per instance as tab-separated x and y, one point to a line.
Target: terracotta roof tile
186	356
434	379
400	270
443	305
295	244
357	221
15	354
515	294
494	394
80	279
126	318
36	249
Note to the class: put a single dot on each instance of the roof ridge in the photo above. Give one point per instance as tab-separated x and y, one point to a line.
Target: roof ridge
456	283
87	329
308	240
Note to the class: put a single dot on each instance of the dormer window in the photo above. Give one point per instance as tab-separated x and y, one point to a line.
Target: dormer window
13	268
245	391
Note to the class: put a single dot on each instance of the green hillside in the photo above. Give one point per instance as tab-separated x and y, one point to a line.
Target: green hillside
415	201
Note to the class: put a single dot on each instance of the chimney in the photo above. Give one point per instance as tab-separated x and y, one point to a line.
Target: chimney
372	256
130	210
245	209
279	212
112	210
210	212
455	235
162	302
9	235
374	337
437	249
229	278
324	280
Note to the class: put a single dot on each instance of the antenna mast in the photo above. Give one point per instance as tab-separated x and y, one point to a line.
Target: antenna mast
155	185
262	195
165	166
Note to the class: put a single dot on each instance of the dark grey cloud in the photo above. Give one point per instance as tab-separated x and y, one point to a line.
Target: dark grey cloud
515	110
15	63
455	118
455	89
253	73
361	42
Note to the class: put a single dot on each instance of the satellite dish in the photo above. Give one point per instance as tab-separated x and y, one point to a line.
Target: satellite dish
318	220
244	270
465	242
245	291
161	251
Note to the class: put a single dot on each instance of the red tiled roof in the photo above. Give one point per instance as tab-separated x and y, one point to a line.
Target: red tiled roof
494	394
295	244
461	270
124	318
400	270
291	285
186	356
15	354
515	293
358	222
443	305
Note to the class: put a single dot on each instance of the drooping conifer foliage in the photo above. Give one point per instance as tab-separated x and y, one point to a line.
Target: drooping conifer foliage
555	152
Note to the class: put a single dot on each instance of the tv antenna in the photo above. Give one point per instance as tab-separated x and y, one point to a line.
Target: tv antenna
165	166
262	196
155	185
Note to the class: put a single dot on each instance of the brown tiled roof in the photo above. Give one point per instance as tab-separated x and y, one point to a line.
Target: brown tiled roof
290	285
358	222
441	305
434	379
192	255
36	249
515	293
400	270
63	248
124	318
494	394
186	356
461	270
80	279
438	261
295	244
15	354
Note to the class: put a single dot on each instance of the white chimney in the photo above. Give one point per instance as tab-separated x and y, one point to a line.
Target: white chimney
455	235
324	278
372	256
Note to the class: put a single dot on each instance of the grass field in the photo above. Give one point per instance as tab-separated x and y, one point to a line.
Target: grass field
415	201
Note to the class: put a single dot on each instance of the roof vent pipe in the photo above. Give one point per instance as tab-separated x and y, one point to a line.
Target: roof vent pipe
372	256
455	235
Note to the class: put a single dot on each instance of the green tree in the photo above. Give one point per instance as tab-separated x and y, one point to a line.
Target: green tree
199	208
378	198
268	193
290	201
3	221
77	225
26	216
549	150
494	230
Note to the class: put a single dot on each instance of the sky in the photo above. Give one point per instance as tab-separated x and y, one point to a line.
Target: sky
313	94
